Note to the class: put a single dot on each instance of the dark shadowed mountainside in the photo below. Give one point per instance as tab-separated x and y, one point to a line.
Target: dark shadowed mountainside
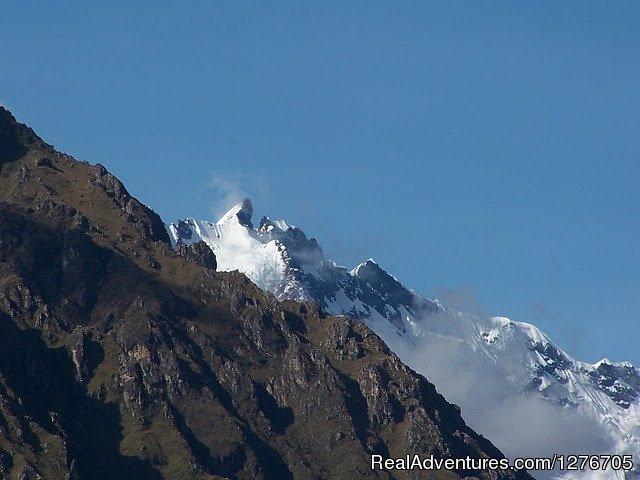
122	358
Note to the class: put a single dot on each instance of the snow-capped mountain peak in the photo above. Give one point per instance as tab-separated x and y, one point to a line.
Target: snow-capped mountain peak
280	258
366	264
240	213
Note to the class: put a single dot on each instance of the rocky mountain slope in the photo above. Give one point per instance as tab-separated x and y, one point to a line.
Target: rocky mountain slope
513	361
122	357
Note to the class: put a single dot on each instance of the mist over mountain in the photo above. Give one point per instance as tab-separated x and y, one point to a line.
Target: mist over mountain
513	383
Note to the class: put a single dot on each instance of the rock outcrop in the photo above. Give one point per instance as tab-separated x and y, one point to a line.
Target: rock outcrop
124	358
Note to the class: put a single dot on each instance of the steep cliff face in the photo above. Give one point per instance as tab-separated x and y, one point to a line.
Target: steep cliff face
121	357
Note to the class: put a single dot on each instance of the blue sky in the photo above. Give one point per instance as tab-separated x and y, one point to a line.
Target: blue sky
488	152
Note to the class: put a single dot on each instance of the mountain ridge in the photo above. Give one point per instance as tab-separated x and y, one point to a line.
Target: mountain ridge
126	358
524	359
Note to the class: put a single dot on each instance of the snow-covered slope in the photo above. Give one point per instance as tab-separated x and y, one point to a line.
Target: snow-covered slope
491	366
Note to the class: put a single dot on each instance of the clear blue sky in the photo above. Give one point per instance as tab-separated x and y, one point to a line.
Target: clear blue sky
491	149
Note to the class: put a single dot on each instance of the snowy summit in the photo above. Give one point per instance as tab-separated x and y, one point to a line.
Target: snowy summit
281	259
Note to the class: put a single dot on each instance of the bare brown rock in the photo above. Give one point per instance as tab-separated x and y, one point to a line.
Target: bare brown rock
122	358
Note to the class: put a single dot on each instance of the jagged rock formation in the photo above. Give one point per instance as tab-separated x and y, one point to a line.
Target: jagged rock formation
121	357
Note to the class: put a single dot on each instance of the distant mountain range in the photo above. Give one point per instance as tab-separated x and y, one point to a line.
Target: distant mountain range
514	363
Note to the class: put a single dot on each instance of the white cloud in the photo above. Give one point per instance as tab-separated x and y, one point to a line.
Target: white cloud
520	425
231	188
462	299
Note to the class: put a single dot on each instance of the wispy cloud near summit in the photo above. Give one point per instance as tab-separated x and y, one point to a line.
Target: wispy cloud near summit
231	188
